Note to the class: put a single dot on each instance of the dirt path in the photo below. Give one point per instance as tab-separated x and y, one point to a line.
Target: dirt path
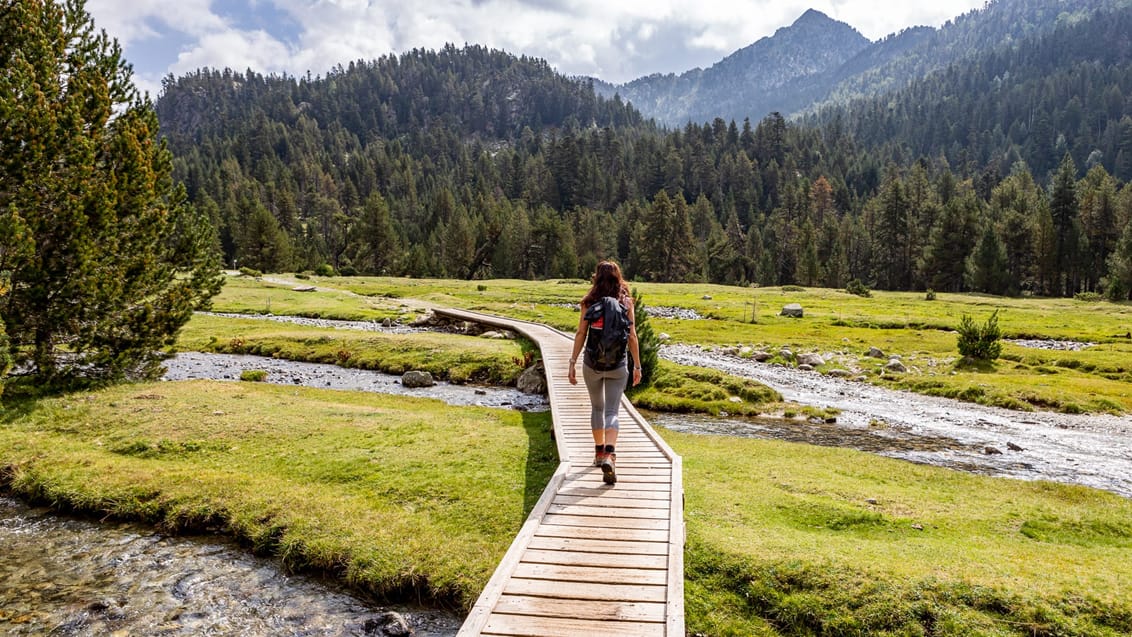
1093	450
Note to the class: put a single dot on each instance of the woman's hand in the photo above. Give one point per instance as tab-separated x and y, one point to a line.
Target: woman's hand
636	376
572	375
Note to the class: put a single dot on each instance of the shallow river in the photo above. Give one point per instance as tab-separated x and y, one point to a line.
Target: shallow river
1093	450
64	576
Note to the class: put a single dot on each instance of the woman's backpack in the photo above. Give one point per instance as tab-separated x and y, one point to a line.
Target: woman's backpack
608	335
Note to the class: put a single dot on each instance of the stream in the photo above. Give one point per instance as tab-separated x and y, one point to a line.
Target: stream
66	576
1092	450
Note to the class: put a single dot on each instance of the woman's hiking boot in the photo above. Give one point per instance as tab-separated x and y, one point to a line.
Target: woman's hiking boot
608	469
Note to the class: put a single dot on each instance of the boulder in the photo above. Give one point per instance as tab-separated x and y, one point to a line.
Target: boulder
793	310
786	354
413	379
894	365
875	353
805	368
388	623
746	351
813	360
991	451
839	373
1013	447
388	322
303	288
707	297
492	334
427	319
736	399
532	380
761	356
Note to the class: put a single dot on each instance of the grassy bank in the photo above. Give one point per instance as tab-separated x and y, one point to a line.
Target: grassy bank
843	327
399	497
451	357
403	497
799	540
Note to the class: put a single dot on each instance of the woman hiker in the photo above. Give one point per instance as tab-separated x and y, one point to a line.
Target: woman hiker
605	366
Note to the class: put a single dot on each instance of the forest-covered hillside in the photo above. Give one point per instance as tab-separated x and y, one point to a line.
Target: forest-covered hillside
476	163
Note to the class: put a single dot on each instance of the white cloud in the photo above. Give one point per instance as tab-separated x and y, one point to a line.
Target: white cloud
617	40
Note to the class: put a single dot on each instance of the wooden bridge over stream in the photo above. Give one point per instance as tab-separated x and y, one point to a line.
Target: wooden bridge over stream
591	559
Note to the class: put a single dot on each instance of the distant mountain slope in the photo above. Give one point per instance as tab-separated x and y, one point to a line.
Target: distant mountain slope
820	61
749	81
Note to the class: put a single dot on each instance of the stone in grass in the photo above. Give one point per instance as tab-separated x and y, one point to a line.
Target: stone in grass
875	352
414	378
839	373
813	360
895	365
793	310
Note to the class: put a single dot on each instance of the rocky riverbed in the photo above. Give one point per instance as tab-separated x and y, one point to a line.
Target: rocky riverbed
198	365
1092	450
65	576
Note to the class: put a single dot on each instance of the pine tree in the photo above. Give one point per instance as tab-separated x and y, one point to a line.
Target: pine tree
1120	268
106	262
376	241
1063	209
986	267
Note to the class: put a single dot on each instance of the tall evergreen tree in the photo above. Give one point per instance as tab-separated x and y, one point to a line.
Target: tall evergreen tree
106	261
1063	210
986	267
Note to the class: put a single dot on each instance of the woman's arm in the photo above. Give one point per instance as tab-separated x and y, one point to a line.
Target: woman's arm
579	342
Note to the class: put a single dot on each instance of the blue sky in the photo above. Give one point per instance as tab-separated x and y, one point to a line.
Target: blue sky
615	40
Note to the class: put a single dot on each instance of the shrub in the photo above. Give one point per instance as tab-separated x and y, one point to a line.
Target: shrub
793	288
857	288
930	296
246	271
647	342
348	270
253	375
302	275
481	288
325	270
980	342
1088	297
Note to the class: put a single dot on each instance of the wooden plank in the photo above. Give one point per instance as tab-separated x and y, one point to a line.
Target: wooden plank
578	582
605	522
604	560
609	512
609	499
587	608
525	626
628	535
675	588
597	545
624	492
589	575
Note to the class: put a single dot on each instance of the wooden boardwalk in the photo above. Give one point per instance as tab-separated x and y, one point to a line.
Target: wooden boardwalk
590	558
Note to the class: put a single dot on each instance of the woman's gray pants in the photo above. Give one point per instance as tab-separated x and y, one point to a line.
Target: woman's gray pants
605	390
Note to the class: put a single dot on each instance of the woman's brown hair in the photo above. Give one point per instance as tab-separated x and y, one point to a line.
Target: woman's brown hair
606	281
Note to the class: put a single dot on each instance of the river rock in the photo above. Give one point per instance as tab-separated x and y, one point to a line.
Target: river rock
413	379
662	337
427	319
813	360
762	356
707	297
736	399
802	367
793	310
786	354
894	365
388	623
1013	447
991	451
875	352
492	334
839	373
532	380
746	351
388	322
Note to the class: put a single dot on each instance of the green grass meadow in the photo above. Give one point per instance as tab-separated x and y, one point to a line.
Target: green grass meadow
405	498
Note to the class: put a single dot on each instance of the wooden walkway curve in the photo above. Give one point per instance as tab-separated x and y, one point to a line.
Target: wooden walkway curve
590	558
